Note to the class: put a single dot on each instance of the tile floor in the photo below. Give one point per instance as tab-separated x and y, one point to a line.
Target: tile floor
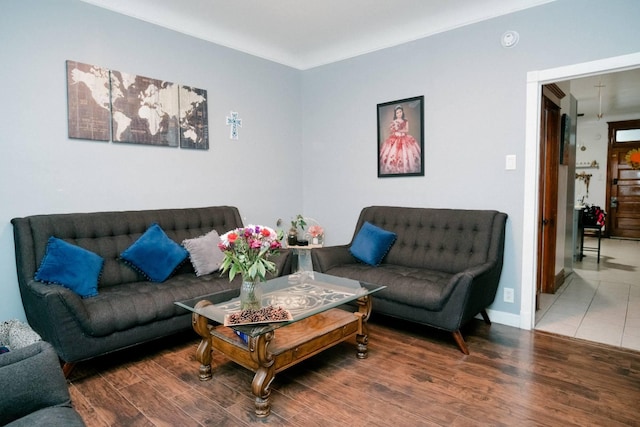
598	302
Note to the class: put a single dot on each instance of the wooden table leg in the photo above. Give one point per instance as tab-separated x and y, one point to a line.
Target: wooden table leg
362	337
203	353
259	350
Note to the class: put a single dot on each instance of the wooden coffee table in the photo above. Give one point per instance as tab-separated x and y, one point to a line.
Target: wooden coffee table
318	324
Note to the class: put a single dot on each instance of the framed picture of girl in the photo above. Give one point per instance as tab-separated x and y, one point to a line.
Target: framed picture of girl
401	138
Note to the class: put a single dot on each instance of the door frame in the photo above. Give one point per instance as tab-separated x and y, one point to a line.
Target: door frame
535	80
549	149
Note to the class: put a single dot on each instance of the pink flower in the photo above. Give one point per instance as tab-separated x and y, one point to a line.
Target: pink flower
275	245
315	231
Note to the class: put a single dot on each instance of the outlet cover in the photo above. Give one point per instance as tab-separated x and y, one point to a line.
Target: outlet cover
508	295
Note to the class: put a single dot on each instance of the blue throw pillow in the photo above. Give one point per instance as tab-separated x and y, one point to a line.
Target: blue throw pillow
154	254
371	244
70	266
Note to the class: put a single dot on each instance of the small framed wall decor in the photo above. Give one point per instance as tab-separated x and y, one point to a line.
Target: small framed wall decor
401	138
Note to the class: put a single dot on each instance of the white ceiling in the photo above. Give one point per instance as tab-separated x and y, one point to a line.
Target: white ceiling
308	33
620	95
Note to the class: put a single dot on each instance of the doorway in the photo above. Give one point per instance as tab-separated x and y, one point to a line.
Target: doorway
535	80
623	189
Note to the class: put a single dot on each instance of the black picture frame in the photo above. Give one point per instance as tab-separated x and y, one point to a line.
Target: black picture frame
400	141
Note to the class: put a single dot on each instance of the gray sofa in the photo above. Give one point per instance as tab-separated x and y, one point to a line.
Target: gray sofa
128	309
34	391
442	270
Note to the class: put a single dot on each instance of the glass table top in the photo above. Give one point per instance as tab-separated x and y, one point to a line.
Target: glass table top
303	295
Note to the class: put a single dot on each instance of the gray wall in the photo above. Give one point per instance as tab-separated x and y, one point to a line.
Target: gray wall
475	92
43	171
308	143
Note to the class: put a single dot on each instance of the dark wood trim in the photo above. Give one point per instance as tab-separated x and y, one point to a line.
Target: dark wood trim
621	125
550	122
555	90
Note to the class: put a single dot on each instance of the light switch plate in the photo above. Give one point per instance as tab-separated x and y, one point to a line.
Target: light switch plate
510	162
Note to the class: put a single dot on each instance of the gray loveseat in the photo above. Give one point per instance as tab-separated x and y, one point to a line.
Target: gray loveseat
128	309
442	270
34	391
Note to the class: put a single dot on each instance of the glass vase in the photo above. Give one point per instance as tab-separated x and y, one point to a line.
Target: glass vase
251	294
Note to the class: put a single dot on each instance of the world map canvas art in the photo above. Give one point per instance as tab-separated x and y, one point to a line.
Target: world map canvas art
145	110
194	121
105	104
88	101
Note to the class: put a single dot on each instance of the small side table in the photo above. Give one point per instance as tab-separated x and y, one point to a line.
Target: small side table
302	262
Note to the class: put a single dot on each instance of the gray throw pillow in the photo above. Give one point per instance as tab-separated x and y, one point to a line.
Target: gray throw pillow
204	253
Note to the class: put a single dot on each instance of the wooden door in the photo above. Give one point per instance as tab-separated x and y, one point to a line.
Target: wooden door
550	125
623	191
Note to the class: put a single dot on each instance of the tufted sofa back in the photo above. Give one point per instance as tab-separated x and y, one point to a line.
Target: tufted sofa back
448	240
109	233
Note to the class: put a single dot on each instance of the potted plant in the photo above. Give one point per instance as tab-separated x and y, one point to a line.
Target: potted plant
292	235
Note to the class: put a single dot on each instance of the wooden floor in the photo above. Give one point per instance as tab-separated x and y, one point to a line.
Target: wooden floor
413	377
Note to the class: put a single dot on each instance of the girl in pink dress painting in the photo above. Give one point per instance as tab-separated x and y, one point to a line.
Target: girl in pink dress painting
400	152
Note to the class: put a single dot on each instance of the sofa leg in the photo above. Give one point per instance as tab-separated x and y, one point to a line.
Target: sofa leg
485	317
457	335
67	367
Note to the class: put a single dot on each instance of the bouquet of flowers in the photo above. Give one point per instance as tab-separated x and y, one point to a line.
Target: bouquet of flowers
247	251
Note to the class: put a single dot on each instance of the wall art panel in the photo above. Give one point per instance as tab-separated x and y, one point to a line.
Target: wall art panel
145	110
194	121
88	101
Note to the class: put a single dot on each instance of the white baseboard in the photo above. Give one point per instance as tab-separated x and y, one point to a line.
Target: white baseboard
503	318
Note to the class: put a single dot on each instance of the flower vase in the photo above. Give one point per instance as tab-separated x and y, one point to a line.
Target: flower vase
251	294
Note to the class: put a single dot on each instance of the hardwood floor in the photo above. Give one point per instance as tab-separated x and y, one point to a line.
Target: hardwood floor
412	377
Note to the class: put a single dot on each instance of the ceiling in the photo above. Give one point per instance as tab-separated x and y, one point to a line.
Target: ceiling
620	95
308	33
